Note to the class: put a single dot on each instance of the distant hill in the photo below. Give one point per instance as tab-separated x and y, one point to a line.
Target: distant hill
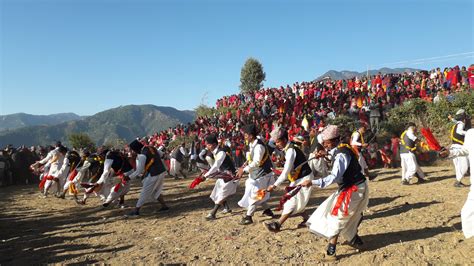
345	74
19	120
124	122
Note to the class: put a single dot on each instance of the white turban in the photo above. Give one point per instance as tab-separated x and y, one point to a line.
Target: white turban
330	132
460	112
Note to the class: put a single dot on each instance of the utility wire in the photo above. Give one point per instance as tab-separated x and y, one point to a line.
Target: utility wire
429	59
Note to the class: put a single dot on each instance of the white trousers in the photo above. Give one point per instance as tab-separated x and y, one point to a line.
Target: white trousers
118	191
461	163
223	190
175	166
410	166
151	190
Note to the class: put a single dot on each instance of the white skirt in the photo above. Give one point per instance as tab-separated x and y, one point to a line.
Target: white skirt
222	190
461	163
107	186
252	186
323	223
117	191
152	188
175	167
467	215
297	204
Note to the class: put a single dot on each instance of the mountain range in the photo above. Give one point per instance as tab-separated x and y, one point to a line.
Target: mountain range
345	74
19	120
124	122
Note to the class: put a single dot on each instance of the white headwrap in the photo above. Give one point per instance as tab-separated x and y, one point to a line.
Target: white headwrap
330	132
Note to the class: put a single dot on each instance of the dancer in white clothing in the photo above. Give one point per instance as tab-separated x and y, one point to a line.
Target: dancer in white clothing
457	135
259	167
151	168
467	212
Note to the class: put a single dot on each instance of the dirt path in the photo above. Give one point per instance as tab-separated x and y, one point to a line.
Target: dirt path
414	224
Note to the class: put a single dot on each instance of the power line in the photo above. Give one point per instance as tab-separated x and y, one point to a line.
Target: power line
429	59
442	60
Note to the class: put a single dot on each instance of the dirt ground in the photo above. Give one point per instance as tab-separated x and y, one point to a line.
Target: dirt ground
415	224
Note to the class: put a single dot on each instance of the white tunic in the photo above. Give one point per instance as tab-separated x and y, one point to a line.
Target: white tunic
323	223
297	204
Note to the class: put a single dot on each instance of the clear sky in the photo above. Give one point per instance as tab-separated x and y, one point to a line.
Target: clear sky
85	56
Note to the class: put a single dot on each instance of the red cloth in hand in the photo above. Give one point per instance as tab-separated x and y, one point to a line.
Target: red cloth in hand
196	182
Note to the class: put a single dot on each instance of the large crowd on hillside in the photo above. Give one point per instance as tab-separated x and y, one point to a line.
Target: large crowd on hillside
304	108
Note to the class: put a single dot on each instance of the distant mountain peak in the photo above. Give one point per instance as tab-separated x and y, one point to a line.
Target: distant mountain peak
347	74
123	122
18	120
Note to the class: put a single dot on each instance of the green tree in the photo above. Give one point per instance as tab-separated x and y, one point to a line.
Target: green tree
251	75
116	143
81	141
204	110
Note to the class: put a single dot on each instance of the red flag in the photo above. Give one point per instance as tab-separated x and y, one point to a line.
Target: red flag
384	156
430	139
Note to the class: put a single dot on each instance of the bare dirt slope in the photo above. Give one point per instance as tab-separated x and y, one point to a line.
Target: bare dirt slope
414	224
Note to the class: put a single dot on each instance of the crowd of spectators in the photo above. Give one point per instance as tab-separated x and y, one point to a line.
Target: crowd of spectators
15	162
305	108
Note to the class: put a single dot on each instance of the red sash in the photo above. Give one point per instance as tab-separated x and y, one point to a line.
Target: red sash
344	196
43	180
122	182
72	175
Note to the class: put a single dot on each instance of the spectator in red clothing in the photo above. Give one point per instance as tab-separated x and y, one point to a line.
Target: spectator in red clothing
449	78
470	74
395	143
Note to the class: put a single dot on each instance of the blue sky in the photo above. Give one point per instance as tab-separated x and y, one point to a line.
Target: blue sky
86	56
